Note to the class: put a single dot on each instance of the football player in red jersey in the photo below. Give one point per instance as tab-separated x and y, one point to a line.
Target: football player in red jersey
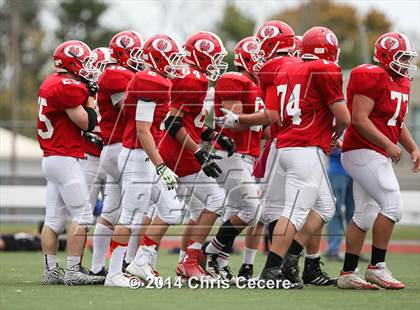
238	92
119	66
307	96
145	106
180	147
65	109
378	97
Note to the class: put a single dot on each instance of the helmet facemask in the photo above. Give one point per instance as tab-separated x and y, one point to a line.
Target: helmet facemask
88	71
217	67
403	63
176	68
135	61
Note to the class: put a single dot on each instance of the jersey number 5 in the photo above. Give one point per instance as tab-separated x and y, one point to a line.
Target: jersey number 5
42	102
400	98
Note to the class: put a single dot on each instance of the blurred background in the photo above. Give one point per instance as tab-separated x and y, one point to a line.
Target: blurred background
31	29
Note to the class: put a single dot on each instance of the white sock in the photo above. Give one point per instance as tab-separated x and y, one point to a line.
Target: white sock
50	261
133	246
249	256
214	247
116	261
312	256
195	246
144	255
153	261
181	255
73	261
223	260
101	240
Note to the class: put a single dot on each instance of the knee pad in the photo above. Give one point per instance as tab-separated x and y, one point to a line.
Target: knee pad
394	213
244	199
297	215
365	218
57	224
172	214
326	211
215	202
251	216
130	219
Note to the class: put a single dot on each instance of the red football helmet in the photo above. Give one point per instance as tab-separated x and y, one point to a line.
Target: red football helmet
320	43
297	51
395	51
248	54
206	51
75	57
126	47
162	53
103	57
275	37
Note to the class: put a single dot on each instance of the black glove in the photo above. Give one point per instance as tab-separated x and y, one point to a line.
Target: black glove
226	143
206	160
91	86
95	139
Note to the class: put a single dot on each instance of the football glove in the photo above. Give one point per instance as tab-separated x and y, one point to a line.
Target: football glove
226	143
168	177
206	160
94	138
229	120
91	86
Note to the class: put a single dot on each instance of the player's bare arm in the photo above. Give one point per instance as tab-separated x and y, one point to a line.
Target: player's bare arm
362	107
148	142
84	117
407	141
342	118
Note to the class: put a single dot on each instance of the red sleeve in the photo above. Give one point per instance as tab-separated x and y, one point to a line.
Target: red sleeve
271	99
329	82
72	94
366	82
184	93
230	88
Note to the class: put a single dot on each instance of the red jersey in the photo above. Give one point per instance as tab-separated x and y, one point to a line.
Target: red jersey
266	77
148	93
391	99
303	95
112	85
237	86
188	95
57	134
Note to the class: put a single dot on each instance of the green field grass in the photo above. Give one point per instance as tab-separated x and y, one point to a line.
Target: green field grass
20	288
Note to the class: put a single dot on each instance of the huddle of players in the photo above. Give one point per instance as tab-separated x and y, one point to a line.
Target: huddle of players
152	101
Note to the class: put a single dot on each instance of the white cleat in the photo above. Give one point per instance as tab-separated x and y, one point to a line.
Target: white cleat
381	276
144	272
353	280
120	280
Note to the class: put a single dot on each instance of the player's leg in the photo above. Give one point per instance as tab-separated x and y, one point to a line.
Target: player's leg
252	242
111	207
54	224
137	178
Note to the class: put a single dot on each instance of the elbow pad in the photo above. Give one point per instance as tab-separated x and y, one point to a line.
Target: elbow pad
206	134
92	119
173	125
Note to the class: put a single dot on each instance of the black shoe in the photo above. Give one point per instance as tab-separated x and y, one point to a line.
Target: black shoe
227	274
212	266
100	273
274	278
290	268
312	274
245	272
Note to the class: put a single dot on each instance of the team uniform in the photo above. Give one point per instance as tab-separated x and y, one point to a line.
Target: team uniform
198	190
369	166
236	176
62	143
147	99
303	94
266	77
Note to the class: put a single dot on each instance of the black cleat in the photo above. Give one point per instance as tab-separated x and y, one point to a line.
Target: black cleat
124	266
212	266
274	278
290	268
246	272
312	274
100	273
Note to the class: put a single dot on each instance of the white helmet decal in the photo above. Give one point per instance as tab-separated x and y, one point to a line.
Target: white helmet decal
331	38
162	45
269	31
204	46
250	46
124	41
74	51
389	43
